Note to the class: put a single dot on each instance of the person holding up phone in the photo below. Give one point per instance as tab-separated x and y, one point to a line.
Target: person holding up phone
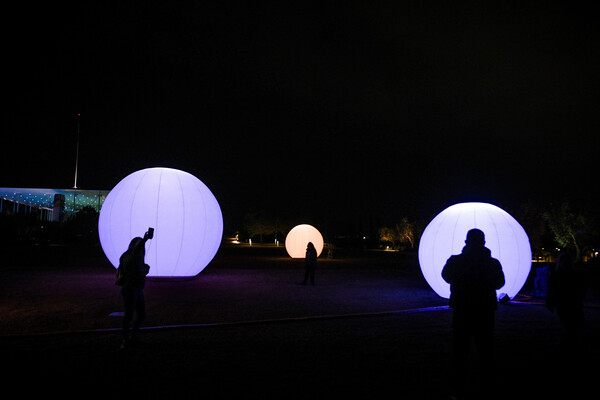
134	270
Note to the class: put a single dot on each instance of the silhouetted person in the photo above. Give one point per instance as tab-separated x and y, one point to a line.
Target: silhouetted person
566	292
474	276
310	263
134	280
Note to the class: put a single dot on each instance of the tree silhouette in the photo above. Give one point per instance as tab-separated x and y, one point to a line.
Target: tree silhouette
566	225
403	232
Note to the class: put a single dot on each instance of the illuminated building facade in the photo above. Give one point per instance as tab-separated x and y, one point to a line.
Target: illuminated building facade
50	204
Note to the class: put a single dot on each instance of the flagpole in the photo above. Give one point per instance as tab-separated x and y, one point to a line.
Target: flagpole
77	152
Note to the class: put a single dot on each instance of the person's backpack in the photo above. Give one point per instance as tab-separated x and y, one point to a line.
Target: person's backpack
122	276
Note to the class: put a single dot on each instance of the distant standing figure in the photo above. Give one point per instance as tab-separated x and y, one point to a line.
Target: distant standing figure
134	271
474	276
566	292
310	263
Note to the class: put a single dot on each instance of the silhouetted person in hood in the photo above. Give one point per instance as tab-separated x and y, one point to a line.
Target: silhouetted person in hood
474	276
310	263
566	293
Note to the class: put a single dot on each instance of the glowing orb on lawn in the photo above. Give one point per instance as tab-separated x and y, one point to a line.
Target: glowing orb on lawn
298	237
504	236
185	215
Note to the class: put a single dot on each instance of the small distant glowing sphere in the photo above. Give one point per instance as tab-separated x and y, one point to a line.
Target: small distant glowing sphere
504	236
298	237
185	215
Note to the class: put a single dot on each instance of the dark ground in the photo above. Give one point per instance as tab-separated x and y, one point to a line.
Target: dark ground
246	328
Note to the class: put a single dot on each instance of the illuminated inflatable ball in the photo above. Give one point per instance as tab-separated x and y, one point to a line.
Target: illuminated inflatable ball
298	238
504	236
185	215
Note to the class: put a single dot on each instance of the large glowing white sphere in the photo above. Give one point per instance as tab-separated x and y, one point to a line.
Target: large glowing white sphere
185	215
298	237
504	236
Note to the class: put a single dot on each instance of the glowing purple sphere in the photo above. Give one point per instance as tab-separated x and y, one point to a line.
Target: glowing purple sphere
504	236
185	215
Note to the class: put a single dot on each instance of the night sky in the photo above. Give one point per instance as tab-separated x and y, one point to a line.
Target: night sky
349	112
